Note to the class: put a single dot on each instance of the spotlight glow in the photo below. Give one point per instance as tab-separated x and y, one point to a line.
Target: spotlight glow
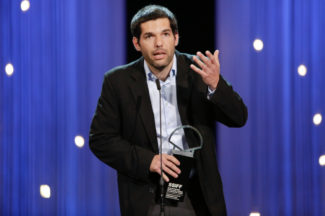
258	45
79	141
9	69
302	70
254	214
322	160
24	5
317	119
45	191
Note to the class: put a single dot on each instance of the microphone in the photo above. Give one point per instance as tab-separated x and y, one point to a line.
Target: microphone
158	85
162	207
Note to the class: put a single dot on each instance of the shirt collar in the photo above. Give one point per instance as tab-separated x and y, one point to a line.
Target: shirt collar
151	77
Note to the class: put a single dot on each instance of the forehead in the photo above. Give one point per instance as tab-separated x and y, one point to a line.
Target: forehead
155	26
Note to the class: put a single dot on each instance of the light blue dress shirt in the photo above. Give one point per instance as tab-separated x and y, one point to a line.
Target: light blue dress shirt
170	118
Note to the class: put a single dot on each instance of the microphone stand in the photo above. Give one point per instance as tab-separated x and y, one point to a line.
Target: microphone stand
162	207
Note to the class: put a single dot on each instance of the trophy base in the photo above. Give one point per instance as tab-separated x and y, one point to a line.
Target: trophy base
176	187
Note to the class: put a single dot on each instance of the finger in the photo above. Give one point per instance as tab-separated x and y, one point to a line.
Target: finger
159	171
216	56
203	58
211	57
169	171
199	62
171	162
197	70
173	159
165	177
173	167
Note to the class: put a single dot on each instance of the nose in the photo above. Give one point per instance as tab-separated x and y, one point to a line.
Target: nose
158	41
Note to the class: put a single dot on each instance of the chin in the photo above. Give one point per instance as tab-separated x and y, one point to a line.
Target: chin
160	67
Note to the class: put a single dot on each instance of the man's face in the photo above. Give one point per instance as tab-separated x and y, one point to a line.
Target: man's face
157	43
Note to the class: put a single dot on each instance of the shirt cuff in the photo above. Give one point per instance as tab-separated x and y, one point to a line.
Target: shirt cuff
210	93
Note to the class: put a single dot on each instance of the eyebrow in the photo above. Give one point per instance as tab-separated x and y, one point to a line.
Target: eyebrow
151	33
167	30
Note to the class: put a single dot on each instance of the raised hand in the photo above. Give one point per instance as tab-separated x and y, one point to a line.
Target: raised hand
209	68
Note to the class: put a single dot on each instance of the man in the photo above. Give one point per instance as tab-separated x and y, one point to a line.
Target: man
125	130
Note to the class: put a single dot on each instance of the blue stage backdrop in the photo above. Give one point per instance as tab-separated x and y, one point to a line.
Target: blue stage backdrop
60	51
271	165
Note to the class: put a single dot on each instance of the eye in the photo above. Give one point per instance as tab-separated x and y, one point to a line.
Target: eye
166	34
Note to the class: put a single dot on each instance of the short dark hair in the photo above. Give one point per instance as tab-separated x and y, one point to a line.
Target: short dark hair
152	12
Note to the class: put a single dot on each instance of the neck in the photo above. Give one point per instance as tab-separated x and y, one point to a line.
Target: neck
161	73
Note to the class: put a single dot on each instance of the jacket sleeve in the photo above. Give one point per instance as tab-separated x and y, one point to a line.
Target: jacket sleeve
229	108
108	144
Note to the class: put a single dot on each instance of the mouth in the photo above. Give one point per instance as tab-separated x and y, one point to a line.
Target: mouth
158	55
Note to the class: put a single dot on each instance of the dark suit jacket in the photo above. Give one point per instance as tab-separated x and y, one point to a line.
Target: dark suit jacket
123	133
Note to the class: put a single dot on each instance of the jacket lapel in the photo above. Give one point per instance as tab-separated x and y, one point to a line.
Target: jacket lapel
139	89
183	82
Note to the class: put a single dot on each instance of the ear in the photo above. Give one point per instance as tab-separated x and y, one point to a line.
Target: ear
176	38
136	44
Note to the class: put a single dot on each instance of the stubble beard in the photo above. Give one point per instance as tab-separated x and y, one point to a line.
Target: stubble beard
160	67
